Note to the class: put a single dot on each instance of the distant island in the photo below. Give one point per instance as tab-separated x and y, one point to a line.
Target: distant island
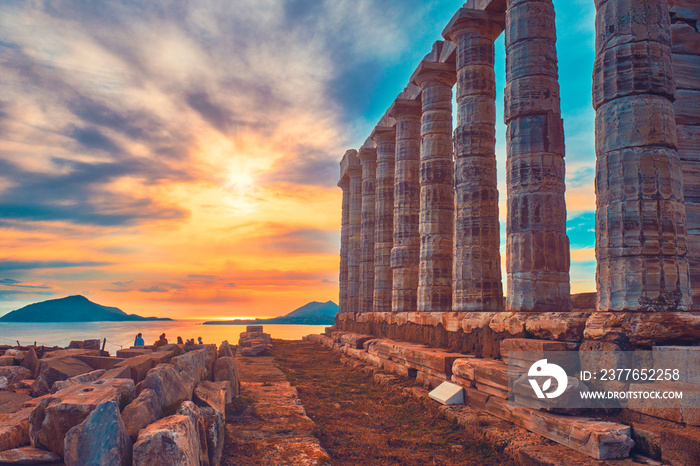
72	309
313	313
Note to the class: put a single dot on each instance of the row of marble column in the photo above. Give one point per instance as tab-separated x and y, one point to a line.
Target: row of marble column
420	212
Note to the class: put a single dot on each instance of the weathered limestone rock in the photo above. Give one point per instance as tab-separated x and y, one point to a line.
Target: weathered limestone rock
433	361
537	248
368	160
144	410
99	362
476	280
28	455
405	253
354	340
448	394
172	385
225	350
644	329
14	374
190	410
77	380
173	441
60	368
254	328
100	439
30	360
214	394
350	167
640	215
214	429
385	138
198	364
226	370
14	429
7	361
141	364
132	352
11	402
117	373
70	353
56	414
436	179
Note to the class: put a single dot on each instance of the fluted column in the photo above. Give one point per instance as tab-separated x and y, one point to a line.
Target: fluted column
344	184
385	138
368	160
476	281
436	179
405	255
640	214
537	249
354	173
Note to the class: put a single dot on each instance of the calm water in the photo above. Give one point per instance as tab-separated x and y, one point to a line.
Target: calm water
121	334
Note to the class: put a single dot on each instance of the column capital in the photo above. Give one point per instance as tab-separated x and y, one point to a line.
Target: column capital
383	134
478	23
405	107
350	164
368	154
434	72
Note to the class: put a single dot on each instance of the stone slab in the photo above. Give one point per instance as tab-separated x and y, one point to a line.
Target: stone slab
28	455
448	394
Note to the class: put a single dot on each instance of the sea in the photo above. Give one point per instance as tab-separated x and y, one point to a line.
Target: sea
121	334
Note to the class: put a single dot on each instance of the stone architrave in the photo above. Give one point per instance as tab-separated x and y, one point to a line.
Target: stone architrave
405	254
640	214
436	217
476	280
344	184
537	251
385	138
351	168
368	160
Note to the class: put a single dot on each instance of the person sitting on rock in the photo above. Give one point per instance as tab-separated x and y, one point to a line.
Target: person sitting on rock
179	340
162	342
138	341
199	340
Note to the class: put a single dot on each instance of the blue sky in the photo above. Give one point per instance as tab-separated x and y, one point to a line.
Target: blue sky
179	158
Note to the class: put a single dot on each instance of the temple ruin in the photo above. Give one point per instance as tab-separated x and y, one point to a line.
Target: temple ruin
420	254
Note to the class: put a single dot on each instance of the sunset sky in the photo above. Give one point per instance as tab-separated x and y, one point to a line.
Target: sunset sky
180	158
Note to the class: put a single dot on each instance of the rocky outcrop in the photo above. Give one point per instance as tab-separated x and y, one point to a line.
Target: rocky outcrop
144	410
56	414
172	441
100	439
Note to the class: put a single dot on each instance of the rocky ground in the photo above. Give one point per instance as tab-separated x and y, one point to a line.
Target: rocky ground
361	422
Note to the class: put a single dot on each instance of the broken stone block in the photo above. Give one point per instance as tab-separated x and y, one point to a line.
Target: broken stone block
28	455
354	340
173	440
226	369
70	353
133	352
190	410
144	410
14	429
214	424
225	350
171	385
117	373
77	380
7	361
197	364
100	439
254	328
214	394
56	414
58	368
448	394
99	362
11	402
30	361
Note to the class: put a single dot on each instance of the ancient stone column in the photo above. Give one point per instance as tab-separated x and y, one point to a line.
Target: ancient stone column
385	138
368	160
436	218
344	184
476	280
354	174
405	255
640	214
537	252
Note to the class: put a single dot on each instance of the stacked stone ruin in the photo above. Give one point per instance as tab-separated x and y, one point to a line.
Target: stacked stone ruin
420	261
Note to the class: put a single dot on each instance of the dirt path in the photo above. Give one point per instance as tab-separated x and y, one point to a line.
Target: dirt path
362	423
